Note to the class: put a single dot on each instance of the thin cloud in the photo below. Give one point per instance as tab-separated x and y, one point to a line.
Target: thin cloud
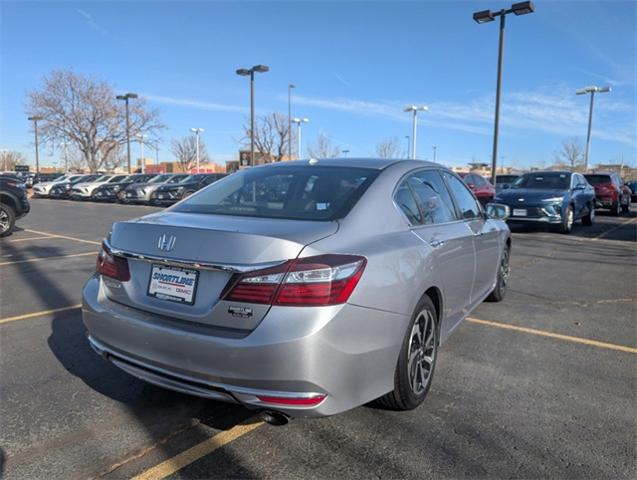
196	104
342	80
557	114
90	21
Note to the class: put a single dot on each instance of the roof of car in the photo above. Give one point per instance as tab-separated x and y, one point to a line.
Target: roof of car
374	163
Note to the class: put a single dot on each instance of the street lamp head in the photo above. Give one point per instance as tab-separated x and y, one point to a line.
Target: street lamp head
260	68
522	8
127	96
591	89
244	72
36	118
121	97
291	85
485	16
415	108
300	120
132	95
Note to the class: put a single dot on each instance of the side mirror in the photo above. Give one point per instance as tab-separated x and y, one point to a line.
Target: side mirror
579	187
498	211
506	186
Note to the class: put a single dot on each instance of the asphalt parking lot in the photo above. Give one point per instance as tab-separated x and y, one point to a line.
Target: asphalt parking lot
541	385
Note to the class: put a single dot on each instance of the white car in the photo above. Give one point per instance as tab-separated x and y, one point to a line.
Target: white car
44	188
85	190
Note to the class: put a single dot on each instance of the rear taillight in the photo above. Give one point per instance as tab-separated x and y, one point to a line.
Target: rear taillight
311	281
112	266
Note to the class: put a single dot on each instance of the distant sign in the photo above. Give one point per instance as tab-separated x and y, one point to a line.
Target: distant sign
22	168
244	158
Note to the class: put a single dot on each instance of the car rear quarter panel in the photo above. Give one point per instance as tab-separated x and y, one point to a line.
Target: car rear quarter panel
399	268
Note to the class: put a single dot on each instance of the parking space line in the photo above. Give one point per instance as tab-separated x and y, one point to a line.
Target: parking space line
41	313
16	240
187	457
75	239
614	229
54	257
557	336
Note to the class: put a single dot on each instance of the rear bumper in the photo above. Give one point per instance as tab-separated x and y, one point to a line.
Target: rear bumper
345	352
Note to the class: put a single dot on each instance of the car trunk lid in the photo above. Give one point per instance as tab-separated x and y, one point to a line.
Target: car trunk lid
169	242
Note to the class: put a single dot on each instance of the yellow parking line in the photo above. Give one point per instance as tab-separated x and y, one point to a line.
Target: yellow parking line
41	313
558	336
185	458
75	239
29	238
621	225
55	257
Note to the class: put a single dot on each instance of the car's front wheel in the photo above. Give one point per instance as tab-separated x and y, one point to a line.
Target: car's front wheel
7	220
417	360
567	220
590	216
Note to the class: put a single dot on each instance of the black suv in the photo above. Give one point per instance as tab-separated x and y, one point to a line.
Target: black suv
172	193
14	203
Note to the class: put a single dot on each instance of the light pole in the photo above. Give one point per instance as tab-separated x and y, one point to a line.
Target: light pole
583	91
126	97
290	87
415	109
407	137
197	131
244	72
298	122
35	119
435	147
141	137
485	16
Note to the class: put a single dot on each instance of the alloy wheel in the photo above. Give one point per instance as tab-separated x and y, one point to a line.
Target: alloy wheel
569	218
505	269
422	352
4	221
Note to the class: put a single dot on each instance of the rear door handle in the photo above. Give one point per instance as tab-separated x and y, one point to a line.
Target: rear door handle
437	243
478	234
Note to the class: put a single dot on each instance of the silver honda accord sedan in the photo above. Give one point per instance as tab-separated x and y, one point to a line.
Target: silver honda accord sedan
302	288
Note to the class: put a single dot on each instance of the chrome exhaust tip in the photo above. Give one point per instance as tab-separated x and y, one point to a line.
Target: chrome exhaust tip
277	419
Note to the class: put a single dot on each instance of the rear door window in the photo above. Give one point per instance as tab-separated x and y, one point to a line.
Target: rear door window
433	197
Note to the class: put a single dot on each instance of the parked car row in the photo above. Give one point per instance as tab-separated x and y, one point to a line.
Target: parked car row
149	189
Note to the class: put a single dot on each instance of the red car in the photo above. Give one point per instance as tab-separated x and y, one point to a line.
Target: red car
480	186
610	192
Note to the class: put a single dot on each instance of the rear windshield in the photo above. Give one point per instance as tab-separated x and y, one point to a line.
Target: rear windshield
296	193
506	178
545	180
598	179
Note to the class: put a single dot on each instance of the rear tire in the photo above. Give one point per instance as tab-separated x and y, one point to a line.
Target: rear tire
626	206
417	360
590	216
615	209
7	220
498	293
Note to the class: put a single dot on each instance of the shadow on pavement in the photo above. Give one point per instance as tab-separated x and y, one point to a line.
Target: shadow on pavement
160	412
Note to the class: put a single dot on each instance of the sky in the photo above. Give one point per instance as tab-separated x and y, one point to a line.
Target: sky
356	65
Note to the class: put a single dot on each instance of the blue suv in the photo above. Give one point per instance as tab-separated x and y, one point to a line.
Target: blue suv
554	198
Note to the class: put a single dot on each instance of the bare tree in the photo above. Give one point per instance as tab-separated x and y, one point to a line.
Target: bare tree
271	136
185	151
388	148
571	154
10	158
323	148
84	112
